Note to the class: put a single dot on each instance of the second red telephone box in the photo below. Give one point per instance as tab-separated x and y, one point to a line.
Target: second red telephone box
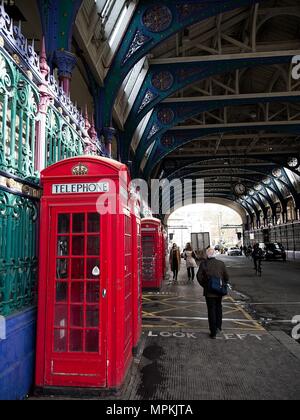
152	253
87	279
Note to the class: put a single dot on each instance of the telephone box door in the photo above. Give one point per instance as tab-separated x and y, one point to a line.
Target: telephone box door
76	311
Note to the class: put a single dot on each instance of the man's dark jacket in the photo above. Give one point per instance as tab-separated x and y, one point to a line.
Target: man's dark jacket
211	268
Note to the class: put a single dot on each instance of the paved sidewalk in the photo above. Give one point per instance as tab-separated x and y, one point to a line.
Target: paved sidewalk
180	362
177	361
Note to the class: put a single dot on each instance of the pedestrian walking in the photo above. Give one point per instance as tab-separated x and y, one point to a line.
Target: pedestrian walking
191	264
175	261
212	272
257	256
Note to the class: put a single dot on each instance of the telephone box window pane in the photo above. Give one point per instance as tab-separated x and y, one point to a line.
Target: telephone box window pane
62	269
77	269
63	223
60	341
78	245
93	293
61	292
63	246
93	268
76	341
78	223
92	316
94	223
77	293
93	245
76	316
61	316
92	342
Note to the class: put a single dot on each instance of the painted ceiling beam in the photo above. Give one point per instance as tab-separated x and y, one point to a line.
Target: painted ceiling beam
164	80
245	175
173	111
180	136
151	25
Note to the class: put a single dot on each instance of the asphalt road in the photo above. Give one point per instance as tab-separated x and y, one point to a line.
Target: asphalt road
273	299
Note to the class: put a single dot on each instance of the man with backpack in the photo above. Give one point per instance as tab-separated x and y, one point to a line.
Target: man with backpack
214	279
257	256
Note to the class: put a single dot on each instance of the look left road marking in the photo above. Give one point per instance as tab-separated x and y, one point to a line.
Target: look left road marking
193	336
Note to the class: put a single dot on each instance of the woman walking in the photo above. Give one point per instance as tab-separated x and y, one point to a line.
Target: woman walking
175	261
190	258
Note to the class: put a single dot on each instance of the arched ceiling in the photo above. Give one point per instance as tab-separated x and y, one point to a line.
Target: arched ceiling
198	88
218	101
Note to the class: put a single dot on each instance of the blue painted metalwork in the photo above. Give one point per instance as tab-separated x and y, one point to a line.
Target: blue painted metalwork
168	115
185	74
58	18
192	174
150	26
178	138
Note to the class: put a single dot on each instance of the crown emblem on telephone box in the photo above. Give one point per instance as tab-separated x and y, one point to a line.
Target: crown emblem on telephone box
80	170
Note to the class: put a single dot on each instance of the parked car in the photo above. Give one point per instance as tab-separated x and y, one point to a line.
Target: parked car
234	252
273	251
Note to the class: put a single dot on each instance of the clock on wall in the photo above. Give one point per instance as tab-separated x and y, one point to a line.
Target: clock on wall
240	189
293	162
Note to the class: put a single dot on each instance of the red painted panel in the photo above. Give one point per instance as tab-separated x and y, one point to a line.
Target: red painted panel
152	254
88	320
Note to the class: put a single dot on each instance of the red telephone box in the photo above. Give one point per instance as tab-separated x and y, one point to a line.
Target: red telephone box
164	252
137	272
87	275
152	253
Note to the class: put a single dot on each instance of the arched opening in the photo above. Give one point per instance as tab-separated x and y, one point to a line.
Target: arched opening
224	224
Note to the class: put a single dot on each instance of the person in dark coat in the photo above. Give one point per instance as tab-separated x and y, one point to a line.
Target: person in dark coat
213	268
175	261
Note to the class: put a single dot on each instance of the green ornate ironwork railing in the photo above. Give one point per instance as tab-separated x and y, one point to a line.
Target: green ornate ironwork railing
62	139
39	126
18	254
19	99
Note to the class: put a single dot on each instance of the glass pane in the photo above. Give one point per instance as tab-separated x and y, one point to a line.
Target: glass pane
77	293
94	223
64	223
77	269
93	268
92	342
62	269
61	316
61	292
76	340
93	245
76	316
78	245
60	341
63	246
78	223
92	316
93	293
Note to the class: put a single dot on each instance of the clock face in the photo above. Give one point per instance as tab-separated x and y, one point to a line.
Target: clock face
240	189
293	162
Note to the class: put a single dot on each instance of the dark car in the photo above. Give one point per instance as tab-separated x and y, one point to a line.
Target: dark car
274	251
